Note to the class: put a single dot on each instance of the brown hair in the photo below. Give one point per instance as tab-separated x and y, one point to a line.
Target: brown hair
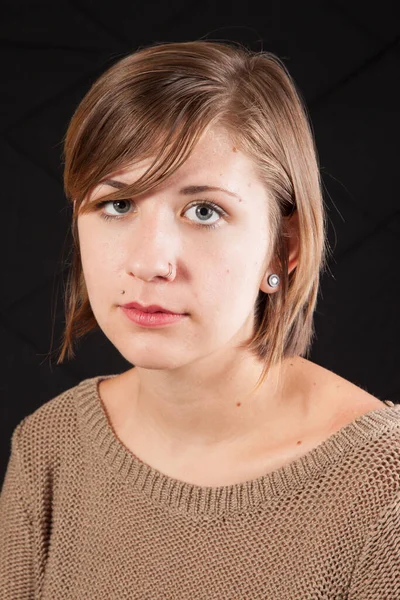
157	102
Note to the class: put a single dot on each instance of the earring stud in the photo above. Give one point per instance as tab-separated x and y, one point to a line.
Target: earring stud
273	280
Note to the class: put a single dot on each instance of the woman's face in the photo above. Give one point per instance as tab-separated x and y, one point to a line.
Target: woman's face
217	272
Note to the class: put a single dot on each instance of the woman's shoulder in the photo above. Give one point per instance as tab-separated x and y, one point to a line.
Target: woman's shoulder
336	397
44	433
50	412
45	445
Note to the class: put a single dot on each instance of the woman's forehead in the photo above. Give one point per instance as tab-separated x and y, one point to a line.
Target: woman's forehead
214	151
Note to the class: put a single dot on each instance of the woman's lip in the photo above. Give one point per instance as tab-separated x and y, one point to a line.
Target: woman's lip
150	320
148	309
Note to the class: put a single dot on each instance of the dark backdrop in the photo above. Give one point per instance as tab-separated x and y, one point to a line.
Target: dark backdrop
345	59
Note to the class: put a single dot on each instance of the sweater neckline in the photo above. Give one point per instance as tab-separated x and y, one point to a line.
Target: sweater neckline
164	490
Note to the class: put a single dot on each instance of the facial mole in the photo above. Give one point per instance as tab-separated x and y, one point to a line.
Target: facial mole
234	149
239	404
299	442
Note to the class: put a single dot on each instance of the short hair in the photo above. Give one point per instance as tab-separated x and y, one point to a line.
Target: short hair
156	103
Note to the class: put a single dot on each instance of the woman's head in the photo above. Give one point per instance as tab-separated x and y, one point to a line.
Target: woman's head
174	116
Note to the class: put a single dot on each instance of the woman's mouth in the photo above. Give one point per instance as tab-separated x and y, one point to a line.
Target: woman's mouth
152	319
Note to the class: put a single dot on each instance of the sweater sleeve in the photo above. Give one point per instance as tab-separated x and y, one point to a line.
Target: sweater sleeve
377	573
16	533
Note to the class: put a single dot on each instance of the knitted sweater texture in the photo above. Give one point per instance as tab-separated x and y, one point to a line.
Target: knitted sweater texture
83	518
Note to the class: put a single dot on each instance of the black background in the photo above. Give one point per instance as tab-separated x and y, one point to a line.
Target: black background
345	59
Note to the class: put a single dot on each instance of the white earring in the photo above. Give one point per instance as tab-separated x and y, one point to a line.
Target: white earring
273	280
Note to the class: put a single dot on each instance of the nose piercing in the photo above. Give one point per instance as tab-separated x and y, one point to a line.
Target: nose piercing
166	276
170	271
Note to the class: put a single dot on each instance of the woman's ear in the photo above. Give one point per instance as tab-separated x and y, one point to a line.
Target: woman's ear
292	234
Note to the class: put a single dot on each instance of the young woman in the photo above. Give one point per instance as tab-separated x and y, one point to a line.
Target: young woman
223	464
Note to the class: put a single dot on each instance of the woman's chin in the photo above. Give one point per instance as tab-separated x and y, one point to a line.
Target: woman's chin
151	361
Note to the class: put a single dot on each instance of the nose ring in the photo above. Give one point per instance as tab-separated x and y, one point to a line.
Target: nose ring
170	271
166	276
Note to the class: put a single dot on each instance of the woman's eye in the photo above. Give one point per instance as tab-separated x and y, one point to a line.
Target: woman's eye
203	211
118	205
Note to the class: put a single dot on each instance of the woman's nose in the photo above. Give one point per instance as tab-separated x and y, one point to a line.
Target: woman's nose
153	244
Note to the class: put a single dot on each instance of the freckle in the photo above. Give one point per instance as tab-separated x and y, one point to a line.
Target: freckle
314	383
239	404
299	442
234	149
228	271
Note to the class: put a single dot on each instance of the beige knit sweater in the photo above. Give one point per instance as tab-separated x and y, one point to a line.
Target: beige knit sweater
82	518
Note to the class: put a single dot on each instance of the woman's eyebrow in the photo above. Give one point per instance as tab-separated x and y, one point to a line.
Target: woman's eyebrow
197	189
112	183
188	190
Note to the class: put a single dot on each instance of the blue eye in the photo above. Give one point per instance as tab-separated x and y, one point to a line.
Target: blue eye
203	210
116	204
